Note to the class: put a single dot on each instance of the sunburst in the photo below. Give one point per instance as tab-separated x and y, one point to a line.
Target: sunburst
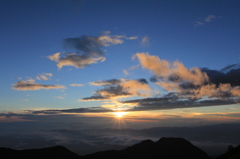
119	114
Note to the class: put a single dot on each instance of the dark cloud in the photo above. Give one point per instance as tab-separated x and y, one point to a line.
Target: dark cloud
87	50
230	67
147	100
142	80
107	93
160	105
229	74
77	110
172	101
122	88
25	85
86	44
153	79
107	82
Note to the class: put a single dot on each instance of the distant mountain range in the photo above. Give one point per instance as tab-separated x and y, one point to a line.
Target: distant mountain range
164	148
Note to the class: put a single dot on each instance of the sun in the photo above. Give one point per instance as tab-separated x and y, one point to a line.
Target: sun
119	114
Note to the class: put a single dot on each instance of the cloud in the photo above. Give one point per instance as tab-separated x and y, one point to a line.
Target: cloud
13	117
77	110
229	74
55	57
25	85
236	91
108	93
126	72
208	19
31	80
188	87
175	72
132	37
87	50
107	82
24	100
184	87
60	97
114	89
44	76
78	60
76	85
145	41
164	103
137	87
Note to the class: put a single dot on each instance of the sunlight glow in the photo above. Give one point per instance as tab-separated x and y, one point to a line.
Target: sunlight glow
119	114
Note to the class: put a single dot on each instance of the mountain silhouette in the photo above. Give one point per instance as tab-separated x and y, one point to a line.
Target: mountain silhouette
232	153
164	148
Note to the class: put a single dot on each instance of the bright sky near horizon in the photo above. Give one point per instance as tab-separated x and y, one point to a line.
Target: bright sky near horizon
77	56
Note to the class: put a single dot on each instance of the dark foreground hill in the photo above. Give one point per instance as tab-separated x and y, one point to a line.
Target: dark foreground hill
165	148
57	152
232	153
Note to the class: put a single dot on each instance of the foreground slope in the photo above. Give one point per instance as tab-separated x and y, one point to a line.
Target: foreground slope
57	152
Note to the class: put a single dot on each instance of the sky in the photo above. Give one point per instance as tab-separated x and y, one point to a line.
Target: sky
84	65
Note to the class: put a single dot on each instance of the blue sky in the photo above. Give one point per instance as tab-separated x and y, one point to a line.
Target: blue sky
122	36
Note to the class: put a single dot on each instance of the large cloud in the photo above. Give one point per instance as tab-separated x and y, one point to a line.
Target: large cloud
188	87
176	72
25	85
87	50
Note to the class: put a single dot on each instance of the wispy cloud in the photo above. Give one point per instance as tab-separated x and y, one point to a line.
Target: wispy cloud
208	19
59	97
107	82
126	72
87	50
145	41
76	85
44	76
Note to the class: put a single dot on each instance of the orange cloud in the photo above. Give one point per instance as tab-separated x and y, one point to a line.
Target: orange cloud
154	64
165	70
236	91
137	88
55	57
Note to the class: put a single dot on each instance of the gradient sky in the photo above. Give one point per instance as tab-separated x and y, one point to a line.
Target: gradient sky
165	63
